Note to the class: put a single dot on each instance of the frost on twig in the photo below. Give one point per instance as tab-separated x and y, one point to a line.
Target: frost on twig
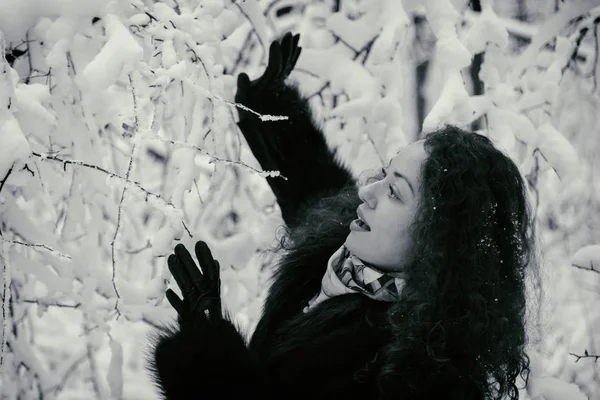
6	277
120	209
6	87
47	156
587	258
212	156
210	95
38	246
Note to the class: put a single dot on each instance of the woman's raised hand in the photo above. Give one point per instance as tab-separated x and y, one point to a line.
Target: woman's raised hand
282	59
201	290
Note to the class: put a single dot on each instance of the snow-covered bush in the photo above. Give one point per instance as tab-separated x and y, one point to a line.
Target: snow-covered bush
118	140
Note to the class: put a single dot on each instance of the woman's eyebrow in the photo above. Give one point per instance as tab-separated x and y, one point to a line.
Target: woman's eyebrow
399	175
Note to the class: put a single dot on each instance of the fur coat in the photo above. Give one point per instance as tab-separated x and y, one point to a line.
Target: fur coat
330	352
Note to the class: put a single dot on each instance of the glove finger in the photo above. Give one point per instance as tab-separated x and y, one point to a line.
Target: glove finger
287	39
292	56
286	49
288	55
243	81
295	59
217	279
297	50
207	262
180	274
290	65
297	56
273	68
212	273
189	264
175	301
285	42
215	310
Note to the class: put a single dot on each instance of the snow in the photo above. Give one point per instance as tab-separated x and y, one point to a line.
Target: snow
15	148
487	29
551	28
356	33
191	165
118	56
588	257
32	111
252	11
451	52
453	106
115	370
442	17
395	23
558	151
344	75
17	16
550	388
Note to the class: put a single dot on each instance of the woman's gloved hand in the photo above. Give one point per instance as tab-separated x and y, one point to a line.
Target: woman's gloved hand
201	290
282	59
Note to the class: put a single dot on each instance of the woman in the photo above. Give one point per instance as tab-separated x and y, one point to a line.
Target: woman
411	287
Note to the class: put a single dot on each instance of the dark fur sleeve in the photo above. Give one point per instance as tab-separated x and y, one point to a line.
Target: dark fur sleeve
297	148
206	361
297	278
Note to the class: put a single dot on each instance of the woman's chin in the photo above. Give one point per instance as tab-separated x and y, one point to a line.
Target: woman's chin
353	244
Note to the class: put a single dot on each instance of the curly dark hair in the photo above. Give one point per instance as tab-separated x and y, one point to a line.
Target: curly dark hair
464	303
463	308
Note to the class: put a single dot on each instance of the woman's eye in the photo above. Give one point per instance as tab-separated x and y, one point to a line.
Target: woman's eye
393	194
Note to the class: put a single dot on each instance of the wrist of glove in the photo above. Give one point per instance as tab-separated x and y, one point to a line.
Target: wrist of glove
200	289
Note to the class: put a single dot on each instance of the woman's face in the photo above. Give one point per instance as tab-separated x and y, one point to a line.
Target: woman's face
380	236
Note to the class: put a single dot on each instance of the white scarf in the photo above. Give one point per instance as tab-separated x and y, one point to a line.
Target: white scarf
346	273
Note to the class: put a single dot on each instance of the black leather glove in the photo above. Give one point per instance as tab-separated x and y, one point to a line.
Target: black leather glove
201	290
282	59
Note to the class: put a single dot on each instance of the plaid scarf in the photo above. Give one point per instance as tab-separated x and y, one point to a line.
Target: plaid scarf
346	273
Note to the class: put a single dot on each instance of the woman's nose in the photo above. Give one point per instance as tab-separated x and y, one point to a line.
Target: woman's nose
367	194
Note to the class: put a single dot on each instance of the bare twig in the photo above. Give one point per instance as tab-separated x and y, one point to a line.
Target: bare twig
239	58
69	371
370	139
586	355
94	371
320	91
198	192
98	168
345	43
215	158
590	268
253	29
136	251
120	210
537	150
5	304
596	53
187	230
40	246
3	181
574	55
50	303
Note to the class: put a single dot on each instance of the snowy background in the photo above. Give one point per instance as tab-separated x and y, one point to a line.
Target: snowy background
118	140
